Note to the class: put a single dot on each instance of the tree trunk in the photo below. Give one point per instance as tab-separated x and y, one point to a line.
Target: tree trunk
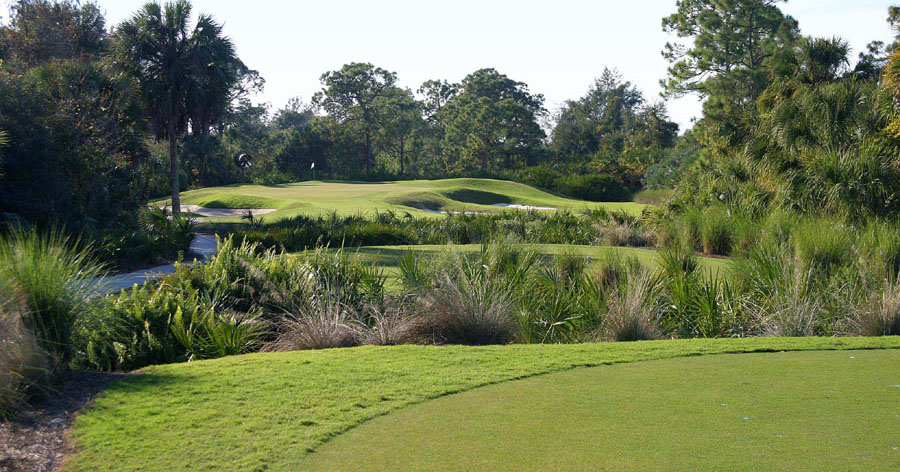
401	156
368	153
173	170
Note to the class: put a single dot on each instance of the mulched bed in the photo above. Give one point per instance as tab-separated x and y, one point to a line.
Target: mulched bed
36	440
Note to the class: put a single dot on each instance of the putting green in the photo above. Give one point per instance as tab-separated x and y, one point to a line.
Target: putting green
772	411
418	197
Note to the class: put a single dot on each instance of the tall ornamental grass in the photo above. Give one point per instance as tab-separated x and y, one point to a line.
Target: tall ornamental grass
57	276
23	364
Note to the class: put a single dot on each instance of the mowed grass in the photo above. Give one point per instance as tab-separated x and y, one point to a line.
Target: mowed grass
268	411
415	197
388	257
793	411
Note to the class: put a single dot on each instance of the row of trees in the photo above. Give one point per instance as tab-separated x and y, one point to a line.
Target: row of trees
99	121
790	122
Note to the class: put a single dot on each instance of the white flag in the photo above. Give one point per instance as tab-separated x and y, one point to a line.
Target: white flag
312	166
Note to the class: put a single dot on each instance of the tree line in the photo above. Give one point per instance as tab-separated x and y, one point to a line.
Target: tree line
97	120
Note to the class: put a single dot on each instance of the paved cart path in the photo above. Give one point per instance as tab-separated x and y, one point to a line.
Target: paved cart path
203	246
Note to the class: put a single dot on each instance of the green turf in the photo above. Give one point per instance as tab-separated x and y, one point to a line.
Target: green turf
268	411
795	411
387	257
415	196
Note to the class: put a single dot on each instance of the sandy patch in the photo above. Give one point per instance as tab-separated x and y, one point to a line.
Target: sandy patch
197	210
522	207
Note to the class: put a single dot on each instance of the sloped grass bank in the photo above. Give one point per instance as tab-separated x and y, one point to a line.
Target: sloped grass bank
269	411
419	197
792	411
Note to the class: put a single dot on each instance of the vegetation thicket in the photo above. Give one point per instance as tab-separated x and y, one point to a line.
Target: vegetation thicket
789	185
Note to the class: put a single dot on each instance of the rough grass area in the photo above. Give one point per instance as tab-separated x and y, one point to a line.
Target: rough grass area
269	411
415	196
653	196
388	257
794	411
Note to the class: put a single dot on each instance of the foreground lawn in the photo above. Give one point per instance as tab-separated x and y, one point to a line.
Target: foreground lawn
269	411
791	411
415	196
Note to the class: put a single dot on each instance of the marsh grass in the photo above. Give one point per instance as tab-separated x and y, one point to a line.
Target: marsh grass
632	311
24	367
473	300
57	276
325	322
877	315
717	231
825	245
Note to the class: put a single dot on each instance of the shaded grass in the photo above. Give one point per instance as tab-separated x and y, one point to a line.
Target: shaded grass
268	411
653	196
350	198
777	411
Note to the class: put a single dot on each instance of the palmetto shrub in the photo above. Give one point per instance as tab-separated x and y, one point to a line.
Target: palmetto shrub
210	333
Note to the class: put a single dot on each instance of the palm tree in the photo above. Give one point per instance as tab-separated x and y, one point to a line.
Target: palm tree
185	74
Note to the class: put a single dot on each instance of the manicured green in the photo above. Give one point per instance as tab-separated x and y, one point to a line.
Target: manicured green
793	411
269	411
387	257
414	196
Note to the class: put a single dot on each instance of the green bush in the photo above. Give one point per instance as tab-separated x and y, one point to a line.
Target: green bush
824	244
717	231
57	276
592	187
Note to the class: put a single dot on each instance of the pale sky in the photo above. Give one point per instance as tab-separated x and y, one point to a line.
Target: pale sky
557	47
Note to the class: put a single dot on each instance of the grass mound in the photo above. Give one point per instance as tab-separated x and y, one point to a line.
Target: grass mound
269	411
783	411
429	201
215	199
419	197
480	197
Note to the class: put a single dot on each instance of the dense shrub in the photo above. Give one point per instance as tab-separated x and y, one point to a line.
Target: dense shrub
592	187
241	299
717	231
561	227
